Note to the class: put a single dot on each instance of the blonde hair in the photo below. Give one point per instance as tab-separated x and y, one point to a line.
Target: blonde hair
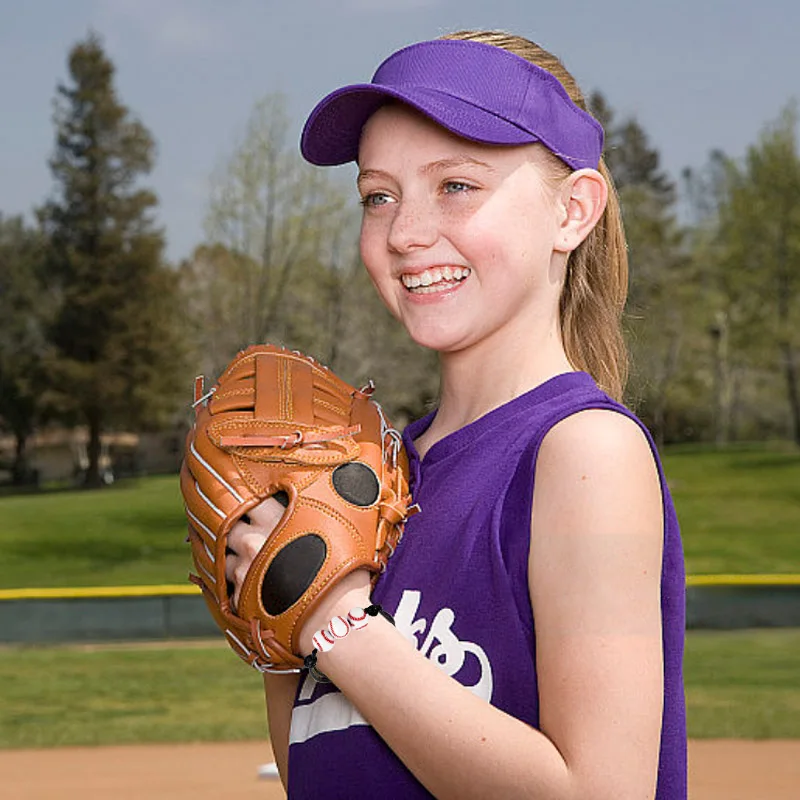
596	282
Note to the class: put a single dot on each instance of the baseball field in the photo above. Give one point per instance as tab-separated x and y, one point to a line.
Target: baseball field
141	720
187	720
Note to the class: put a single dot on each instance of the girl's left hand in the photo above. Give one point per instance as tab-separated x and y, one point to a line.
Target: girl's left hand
246	539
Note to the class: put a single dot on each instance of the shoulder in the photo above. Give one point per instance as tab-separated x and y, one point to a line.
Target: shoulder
598	437
597	466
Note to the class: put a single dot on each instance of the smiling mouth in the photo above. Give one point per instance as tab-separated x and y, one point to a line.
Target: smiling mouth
436	279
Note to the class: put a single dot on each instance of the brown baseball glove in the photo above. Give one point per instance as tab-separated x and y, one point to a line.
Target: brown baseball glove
278	423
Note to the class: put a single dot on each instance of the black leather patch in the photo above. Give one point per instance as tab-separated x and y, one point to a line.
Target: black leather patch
356	483
291	572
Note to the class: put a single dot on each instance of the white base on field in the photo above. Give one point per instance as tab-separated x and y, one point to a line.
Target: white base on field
269	770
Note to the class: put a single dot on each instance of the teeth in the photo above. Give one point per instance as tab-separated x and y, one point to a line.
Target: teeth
426	282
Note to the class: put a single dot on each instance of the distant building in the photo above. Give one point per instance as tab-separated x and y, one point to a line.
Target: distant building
58	455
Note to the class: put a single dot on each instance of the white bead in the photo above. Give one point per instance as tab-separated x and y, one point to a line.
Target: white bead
338	627
323	641
357	618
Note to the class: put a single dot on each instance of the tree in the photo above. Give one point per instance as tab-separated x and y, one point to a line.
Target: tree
759	227
663	304
117	346
25	307
278	219
703	191
628	154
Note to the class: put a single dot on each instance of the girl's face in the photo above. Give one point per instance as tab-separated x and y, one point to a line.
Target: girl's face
459	238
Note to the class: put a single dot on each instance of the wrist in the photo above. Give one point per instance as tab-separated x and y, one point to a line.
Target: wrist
340	627
352	592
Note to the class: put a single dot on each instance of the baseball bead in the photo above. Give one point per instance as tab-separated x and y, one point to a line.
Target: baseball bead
323	640
357	618
338	627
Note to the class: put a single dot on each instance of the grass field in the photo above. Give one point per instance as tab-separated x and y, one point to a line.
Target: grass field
739	509
124	694
739	684
130	534
739	512
743	684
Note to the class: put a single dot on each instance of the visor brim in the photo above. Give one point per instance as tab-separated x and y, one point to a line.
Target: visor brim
332	133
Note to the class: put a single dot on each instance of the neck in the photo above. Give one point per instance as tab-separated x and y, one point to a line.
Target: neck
476	380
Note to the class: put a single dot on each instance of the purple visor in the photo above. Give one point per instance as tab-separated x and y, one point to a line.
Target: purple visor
477	91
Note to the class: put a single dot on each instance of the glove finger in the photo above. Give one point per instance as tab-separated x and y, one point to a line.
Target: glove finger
203	559
205	517
217	480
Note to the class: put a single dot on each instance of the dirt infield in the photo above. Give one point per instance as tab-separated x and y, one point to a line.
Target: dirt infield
718	770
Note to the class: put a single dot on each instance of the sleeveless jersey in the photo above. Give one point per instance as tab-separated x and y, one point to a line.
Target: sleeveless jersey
461	565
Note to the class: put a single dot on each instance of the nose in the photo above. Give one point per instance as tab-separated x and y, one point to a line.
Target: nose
414	225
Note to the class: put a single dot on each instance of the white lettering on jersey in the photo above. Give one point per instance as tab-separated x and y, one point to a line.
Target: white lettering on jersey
449	654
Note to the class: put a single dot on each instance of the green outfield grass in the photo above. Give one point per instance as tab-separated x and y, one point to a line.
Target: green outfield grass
62	696
743	684
130	534
739	509
739	512
739	684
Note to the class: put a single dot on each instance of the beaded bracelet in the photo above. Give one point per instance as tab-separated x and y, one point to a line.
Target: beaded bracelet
338	628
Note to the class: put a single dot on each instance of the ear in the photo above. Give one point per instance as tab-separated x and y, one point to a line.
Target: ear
584	195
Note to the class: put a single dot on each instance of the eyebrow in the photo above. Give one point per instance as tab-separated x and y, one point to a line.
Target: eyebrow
433	166
456	161
370	173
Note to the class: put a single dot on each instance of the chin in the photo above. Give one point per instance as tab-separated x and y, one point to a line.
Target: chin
440	341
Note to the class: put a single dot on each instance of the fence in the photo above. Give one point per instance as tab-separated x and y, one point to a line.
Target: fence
33	616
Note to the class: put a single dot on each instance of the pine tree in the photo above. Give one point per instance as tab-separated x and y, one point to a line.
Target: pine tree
115	333
24	313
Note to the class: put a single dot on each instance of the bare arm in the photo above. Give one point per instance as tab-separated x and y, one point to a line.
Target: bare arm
595	577
594	581
280	692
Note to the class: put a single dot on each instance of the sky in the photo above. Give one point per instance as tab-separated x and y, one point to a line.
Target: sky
698	75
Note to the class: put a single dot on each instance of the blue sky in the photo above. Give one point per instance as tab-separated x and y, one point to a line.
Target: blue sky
697	75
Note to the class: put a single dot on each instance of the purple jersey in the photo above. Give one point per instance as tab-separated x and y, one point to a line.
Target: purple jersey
462	565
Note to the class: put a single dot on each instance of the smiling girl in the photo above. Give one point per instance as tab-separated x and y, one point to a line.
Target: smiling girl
539	596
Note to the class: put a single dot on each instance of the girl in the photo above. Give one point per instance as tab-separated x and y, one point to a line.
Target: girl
539	596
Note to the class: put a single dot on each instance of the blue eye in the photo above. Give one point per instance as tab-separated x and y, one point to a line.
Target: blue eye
456	187
375	199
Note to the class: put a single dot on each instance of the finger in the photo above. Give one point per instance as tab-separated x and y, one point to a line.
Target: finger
245	541
235	573
236	535
236	570
268	513
243	546
231	562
